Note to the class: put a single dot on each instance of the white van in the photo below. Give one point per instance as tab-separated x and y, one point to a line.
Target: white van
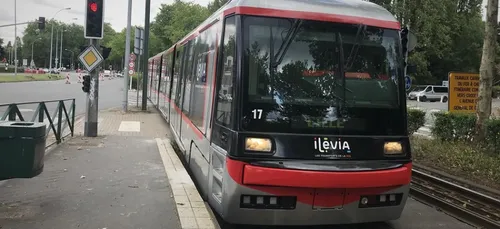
429	93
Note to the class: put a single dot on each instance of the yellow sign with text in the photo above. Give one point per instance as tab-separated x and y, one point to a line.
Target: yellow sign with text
463	92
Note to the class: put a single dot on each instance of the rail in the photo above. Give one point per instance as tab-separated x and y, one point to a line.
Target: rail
470	206
57	123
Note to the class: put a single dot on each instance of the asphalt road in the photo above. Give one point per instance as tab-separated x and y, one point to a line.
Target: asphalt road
438	105
110	94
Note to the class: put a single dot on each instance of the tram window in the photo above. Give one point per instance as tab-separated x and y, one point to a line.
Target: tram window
177	73
187	78
168	75
199	86
224	101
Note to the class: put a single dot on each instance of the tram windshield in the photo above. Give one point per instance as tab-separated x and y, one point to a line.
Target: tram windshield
321	77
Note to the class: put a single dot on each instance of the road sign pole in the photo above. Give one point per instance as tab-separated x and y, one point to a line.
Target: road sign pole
92	108
145	57
127	59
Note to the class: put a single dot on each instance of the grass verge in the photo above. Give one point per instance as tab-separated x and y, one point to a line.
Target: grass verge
23	77
464	160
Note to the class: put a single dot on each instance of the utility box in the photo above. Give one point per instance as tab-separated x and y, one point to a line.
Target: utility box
22	149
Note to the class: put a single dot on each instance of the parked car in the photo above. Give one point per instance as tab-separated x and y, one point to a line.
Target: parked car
429	93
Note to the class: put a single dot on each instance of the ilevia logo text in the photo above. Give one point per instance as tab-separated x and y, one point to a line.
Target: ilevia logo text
338	147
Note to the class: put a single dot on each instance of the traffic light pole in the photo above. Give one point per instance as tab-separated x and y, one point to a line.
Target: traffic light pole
92	108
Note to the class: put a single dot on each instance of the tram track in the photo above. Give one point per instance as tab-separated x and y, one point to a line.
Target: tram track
471	206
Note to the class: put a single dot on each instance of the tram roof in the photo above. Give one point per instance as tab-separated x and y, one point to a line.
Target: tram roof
352	8
347	11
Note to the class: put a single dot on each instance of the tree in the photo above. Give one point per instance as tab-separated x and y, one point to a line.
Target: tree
215	5
2	50
72	40
487	69
449	35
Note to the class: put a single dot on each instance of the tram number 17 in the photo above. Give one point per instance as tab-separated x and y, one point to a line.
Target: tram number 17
257	113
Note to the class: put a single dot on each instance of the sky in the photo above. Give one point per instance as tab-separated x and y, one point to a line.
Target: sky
115	12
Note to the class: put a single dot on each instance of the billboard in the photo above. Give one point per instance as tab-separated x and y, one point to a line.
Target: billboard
463	92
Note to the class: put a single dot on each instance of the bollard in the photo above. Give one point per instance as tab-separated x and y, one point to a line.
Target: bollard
67	79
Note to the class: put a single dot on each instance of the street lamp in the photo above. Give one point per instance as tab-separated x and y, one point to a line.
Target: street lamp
15	37
32	44
72	56
52	36
57	46
60	55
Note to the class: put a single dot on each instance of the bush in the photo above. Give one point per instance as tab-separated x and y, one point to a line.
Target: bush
461	128
10	69
454	127
136	77
496	92
458	158
416	119
493	134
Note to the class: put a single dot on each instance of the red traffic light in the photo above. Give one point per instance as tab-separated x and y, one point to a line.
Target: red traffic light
93	7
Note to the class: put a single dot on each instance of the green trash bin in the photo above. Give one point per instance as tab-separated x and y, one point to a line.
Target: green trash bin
22	149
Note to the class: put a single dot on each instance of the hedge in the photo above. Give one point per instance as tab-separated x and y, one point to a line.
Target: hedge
454	127
416	119
496	92
10	69
134	80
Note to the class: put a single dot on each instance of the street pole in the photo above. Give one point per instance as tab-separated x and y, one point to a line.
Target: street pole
15	38
60	59
51	40
145	57
52	36
57	42
127	58
92	107
20	23
138	74
32	44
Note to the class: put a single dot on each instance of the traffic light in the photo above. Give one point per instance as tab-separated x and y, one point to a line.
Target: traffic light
86	83
2	53
94	21
41	23
105	52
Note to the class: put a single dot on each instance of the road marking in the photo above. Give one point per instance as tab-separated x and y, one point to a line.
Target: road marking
130	126
192	210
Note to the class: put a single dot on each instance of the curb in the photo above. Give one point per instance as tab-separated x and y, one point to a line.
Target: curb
192	211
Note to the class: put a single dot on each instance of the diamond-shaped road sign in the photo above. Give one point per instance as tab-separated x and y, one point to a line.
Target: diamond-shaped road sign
90	58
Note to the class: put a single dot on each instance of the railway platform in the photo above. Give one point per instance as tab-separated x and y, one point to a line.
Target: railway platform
130	178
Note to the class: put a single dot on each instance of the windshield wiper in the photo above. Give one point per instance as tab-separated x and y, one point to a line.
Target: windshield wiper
341	70
278	58
360	35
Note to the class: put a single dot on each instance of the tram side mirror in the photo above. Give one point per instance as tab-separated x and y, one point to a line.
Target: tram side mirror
412	41
408	40
411	69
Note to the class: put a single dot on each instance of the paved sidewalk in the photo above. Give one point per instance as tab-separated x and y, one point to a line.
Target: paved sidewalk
128	177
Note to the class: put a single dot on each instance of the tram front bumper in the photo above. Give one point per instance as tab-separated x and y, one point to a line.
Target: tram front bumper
268	196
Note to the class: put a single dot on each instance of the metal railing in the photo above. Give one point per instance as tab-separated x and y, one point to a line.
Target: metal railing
41	113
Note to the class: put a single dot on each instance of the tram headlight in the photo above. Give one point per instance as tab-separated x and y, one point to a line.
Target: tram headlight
258	144
393	148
